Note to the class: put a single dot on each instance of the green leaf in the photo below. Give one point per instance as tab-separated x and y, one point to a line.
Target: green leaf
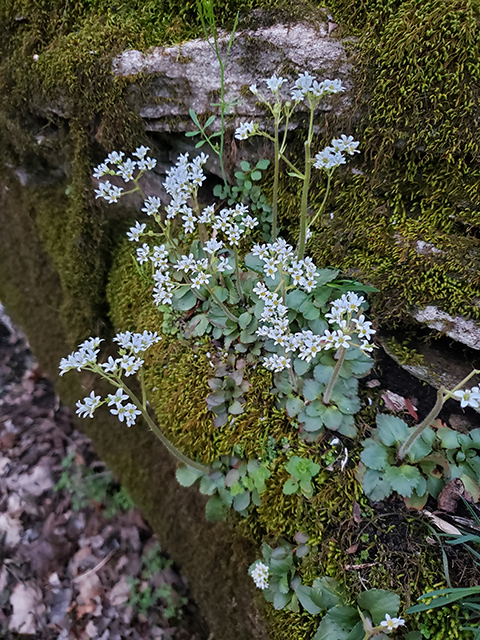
309	311
318	326
290	487
295	299
245	165
281	600
375	455
241	501
448	438
235	408
312	390
215	509
325	275
194	117
185	303
294	406
263	164
304	595
419	448
379	602
256	175
210	121
186	476
191	134
337	623
347	428
332	418
324	593
376	486
199	144
349	406
322	373
391	429
315	409
301	366
197	327
254	263
403	479
244	320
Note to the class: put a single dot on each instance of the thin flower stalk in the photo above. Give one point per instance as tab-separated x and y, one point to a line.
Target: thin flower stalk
341	353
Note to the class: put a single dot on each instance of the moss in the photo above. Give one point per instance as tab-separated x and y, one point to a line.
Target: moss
419	161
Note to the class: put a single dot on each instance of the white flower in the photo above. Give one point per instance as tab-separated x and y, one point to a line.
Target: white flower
130	364
224	265
206	216
131	413
141	152
147	164
110	365
253	89
151	205
329	159
114	157
249	222
134	234
391	623
143	253
244	130
117	398
186	263
261	290
260	575
123	339
101	170
200	279
90	403
275	83
126	169
113	195
103	189
468	397
119	411
349	145
363	327
341	340
211	246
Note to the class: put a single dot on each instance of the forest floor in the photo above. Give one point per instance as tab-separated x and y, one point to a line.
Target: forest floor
77	561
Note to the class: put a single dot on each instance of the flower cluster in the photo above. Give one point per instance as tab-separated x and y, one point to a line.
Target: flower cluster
307	87
125	169
468	397
259	574
182	183
132	345
332	156
307	343
278	257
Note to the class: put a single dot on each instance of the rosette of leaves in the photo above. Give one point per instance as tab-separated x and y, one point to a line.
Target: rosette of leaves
435	458
232	482
302	471
307	406
228	386
247	187
281	576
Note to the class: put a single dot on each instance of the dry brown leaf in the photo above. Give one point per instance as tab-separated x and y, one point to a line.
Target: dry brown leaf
26	600
443	525
34	483
120	593
12	528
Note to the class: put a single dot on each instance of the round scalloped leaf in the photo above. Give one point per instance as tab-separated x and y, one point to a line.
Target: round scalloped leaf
290	487
391	429
312	389
448	438
332	418
294	406
186	476
376	486
322	373
375	455
347	428
404	479
215	509
241	501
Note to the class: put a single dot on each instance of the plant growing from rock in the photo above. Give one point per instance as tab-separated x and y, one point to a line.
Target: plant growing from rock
302	471
418	461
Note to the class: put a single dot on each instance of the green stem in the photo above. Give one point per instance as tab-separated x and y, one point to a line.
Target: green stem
328	391
306	187
405	448
442	396
324	201
226	311
275	184
238	273
173	450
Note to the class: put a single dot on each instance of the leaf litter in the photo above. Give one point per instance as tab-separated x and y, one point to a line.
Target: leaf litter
75	564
